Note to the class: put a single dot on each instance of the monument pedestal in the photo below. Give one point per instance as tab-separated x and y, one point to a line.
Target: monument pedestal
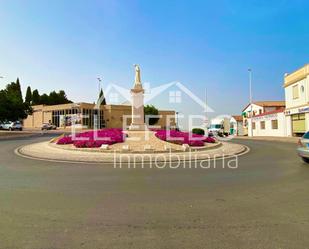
138	127
137	95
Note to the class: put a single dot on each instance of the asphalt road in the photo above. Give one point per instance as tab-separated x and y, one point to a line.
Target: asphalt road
264	203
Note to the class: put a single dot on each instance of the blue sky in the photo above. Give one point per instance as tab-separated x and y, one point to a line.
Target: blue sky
56	44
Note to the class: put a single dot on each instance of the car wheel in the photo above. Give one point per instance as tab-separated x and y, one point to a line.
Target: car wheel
305	159
21	129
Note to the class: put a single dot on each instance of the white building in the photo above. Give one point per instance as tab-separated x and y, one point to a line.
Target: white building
296	86
271	123
258	108
237	125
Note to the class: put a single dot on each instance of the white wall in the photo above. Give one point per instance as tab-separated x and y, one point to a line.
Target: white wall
268	131
255	108
288	121
303	96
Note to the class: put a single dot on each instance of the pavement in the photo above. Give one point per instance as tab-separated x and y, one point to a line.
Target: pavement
263	203
68	153
270	138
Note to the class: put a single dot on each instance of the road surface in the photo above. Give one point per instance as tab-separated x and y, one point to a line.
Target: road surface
264	203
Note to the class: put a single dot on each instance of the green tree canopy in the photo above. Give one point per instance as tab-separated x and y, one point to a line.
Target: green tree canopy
36	97
12	106
151	110
28	97
54	98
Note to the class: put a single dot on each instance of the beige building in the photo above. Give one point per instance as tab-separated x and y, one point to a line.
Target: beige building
296	87
85	116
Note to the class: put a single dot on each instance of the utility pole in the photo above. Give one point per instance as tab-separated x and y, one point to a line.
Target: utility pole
99	107
206	117
176	120
250	99
99	85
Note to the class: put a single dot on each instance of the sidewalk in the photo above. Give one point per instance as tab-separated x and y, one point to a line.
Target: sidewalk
275	139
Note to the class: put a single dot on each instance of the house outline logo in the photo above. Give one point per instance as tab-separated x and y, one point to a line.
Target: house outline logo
152	93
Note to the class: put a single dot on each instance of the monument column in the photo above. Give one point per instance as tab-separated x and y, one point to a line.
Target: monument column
137	95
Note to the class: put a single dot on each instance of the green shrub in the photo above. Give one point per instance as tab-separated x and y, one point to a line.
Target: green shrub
198	131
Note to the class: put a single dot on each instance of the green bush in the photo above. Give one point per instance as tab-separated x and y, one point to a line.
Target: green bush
151	110
198	131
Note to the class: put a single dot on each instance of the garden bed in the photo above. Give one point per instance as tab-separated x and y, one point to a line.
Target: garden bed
93	139
179	137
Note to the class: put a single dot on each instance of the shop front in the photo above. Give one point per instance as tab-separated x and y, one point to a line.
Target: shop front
297	121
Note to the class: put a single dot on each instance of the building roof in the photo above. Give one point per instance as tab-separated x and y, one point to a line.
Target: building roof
268	113
237	118
267	104
295	76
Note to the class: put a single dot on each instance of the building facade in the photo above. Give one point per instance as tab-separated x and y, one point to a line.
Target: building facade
237	128
259	108
296	87
87	116
271	123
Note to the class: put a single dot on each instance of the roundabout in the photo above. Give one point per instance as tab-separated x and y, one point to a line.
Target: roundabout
50	151
66	205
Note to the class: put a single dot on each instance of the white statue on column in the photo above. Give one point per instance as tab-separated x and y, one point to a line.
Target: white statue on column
137	94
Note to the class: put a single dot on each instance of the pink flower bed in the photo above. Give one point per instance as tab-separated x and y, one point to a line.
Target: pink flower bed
179	137
91	139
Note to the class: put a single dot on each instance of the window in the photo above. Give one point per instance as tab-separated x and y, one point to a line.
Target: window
262	125
260	111
295	92
274	124
253	125
175	96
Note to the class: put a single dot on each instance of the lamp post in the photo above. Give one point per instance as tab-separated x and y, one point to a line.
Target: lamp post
176	120
250	99
99	106
99	85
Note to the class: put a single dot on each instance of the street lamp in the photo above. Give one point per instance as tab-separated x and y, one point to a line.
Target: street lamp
250	99
176	120
99	80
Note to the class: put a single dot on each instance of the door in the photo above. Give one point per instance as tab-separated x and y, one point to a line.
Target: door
298	123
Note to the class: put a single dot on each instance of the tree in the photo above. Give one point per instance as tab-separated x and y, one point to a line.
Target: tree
53	98
44	99
63	98
4	106
151	110
15	107
36	97
28	97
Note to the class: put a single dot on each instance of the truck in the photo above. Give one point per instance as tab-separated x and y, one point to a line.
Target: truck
220	126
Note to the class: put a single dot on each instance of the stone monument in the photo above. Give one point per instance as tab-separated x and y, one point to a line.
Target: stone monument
137	95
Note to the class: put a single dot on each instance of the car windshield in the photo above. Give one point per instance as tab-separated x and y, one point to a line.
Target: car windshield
306	136
215	126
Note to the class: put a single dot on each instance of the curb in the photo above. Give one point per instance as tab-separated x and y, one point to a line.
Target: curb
245	150
196	149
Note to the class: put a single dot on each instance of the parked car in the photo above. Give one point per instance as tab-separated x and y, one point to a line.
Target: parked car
303	147
48	126
12	126
1	125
